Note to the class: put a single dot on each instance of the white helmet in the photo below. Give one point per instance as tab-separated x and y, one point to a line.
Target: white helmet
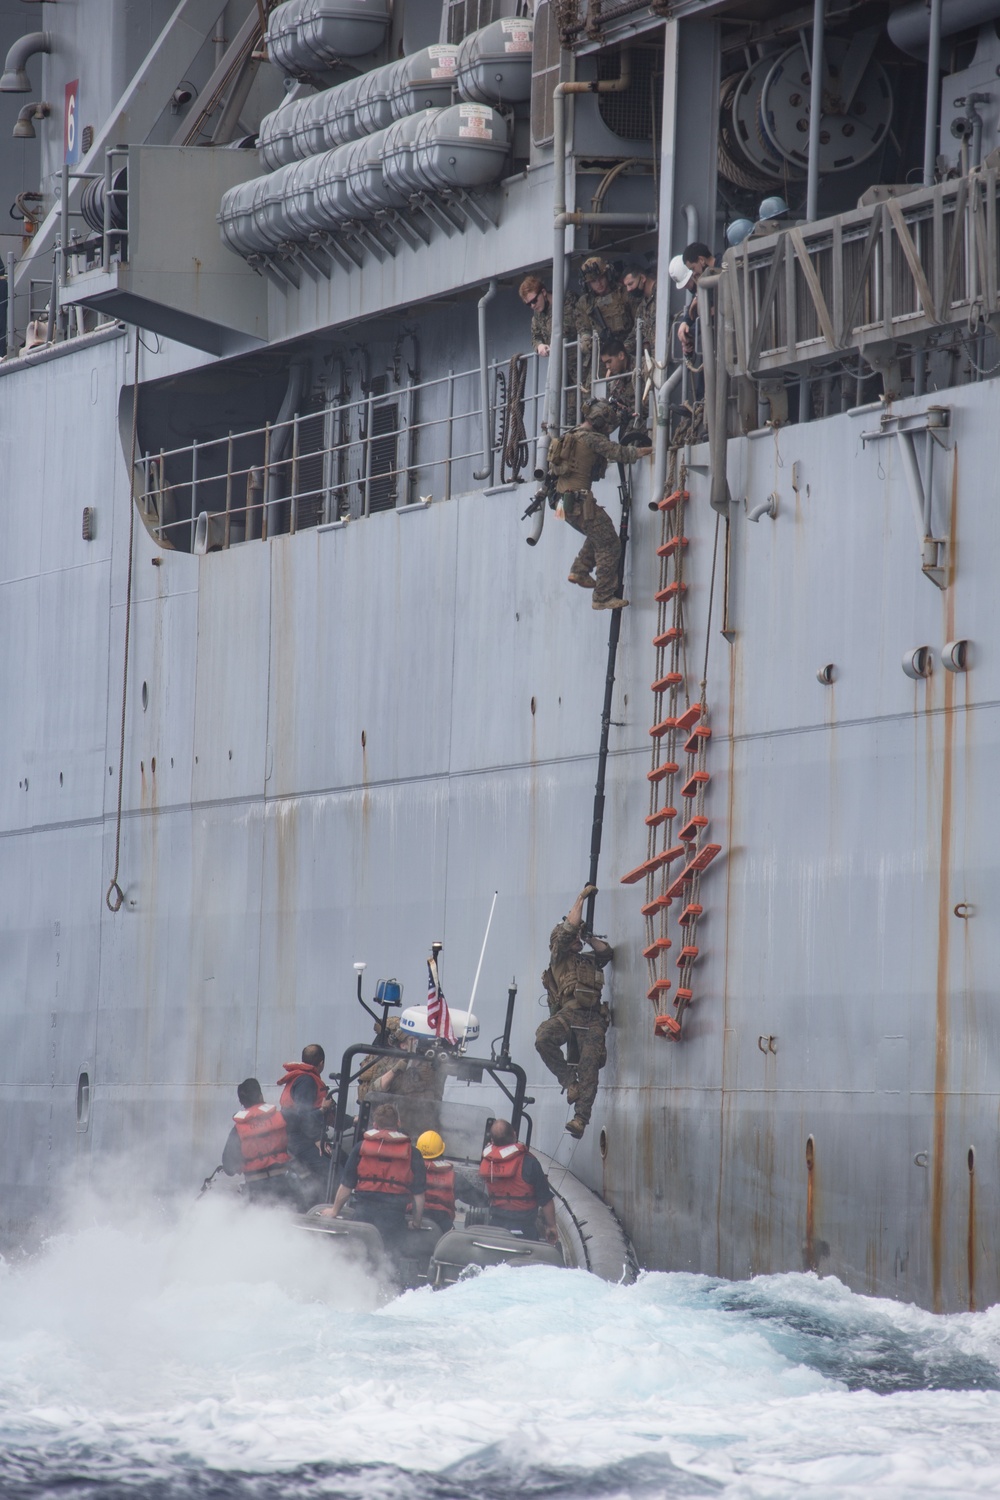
679	272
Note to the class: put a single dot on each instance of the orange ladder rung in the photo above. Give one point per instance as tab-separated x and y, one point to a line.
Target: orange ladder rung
683	996
669	501
691	829
634	876
659	903
704	857
660	946
690	787
668	768
665	725
677	587
664	684
700	732
690	914
673	634
662	816
660	987
674	545
688	954
682	880
689	717
666	1026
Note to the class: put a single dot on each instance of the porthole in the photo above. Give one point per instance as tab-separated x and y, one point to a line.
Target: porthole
83	1100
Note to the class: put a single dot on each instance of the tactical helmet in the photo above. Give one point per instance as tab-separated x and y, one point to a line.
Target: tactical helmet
601	415
430	1145
593	267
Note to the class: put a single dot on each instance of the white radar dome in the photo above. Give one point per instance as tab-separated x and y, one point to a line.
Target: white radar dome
414	1022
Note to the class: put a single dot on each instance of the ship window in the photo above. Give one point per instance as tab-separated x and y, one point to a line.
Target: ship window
635	113
546	72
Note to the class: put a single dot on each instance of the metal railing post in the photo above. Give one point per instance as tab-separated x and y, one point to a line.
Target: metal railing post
11	320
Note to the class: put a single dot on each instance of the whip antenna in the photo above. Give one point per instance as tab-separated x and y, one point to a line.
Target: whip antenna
482	955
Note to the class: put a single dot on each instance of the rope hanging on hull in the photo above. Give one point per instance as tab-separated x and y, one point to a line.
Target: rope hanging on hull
115	896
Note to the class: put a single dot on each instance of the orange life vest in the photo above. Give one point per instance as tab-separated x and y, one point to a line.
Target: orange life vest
385	1164
440	1194
263	1138
293	1072
501	1169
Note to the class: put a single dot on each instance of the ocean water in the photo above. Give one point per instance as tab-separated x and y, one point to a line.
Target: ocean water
209	1351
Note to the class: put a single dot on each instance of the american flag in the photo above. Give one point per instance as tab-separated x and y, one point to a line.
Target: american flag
438	1015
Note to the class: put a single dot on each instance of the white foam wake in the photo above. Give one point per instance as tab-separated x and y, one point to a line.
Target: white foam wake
227	1338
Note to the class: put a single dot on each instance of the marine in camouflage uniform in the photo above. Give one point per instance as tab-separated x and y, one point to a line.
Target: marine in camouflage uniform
641	287
573	983
584	456
604	307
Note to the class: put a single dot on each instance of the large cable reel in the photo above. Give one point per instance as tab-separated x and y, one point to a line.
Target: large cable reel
764	135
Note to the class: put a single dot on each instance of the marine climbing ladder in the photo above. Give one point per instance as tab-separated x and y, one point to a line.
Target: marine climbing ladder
678	849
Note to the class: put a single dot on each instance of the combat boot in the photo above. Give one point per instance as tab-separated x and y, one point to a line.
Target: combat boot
583	579
609	604
576	1127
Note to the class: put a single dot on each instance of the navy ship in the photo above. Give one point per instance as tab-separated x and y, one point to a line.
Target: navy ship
284	689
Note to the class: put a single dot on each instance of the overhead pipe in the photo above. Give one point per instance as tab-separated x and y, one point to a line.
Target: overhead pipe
691	220
815	108
553	387
933	92
24	130
15	80
660	435
910	27
486	472
716	390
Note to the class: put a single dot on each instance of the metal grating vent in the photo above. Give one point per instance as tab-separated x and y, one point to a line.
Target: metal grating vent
466	16
546	72
636	114
383	482
310	484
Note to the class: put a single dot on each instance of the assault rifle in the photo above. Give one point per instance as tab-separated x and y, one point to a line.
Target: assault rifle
546	491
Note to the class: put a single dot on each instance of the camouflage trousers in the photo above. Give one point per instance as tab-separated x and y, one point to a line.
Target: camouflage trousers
584	1025
601	550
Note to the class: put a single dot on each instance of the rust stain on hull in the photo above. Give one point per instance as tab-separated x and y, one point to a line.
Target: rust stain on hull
809	1248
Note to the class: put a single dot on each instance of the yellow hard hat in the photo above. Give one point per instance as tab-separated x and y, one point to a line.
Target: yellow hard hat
430	1145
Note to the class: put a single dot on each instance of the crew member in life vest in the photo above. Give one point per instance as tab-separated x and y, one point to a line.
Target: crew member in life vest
384	1172
577	1019
517	1187
258	1147
306	1104
439	1200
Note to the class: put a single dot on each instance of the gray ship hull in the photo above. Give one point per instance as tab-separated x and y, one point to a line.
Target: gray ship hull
339	744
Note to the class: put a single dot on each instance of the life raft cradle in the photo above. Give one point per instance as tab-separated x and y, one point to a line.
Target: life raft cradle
680	728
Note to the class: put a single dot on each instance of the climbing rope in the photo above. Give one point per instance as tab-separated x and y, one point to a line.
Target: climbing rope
513	437
115	896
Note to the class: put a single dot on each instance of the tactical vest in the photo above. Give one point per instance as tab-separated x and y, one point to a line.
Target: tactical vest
575	979
263	1138
574	462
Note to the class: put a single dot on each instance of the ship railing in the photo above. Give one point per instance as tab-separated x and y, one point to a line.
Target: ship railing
881	282
344	458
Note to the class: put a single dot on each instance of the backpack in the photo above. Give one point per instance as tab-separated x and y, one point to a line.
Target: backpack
563	456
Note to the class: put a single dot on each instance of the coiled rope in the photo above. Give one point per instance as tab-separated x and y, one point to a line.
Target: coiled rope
513	437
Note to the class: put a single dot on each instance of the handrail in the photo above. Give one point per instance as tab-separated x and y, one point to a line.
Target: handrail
893	271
